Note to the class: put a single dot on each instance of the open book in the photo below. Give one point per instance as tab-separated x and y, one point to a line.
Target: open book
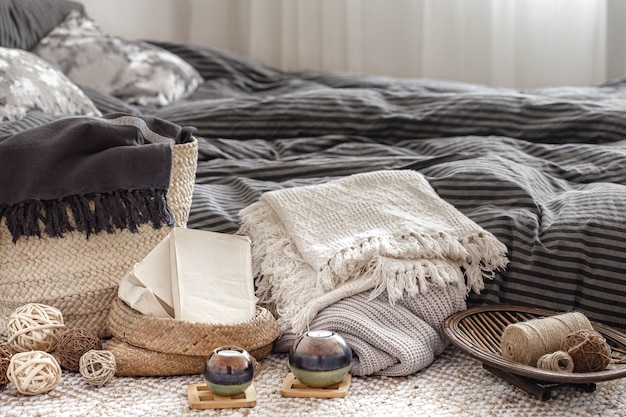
194	275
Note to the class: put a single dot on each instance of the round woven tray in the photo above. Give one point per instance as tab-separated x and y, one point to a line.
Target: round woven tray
478	332
181	337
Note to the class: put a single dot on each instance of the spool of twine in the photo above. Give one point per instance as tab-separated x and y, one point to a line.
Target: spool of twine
72	345
525	342
34	372
588	349
97	367
34	327
557	361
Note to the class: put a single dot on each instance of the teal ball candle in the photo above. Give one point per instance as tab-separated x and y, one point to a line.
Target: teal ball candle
229	371
320	358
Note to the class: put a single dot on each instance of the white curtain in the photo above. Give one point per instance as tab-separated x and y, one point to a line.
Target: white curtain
516	43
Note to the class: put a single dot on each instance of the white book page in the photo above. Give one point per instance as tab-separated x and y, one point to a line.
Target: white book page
154	271
141	298
211	277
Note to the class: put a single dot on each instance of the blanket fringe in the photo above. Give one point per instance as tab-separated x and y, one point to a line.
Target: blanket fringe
90	213
399	277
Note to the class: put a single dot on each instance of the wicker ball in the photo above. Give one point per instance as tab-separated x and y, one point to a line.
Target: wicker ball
34	372
34	327
74	343
97	367
5	358
588	349
5	350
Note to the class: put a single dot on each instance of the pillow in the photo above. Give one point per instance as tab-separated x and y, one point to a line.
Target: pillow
24	22
134	71
29	83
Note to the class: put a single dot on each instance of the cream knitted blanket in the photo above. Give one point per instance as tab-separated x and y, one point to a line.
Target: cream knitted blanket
390	340
385	231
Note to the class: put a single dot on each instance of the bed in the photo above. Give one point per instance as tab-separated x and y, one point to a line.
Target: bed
543	170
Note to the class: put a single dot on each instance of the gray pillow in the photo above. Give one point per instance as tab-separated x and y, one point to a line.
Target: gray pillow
134	71
28	83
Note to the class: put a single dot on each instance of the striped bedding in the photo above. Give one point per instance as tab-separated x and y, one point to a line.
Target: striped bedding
542	169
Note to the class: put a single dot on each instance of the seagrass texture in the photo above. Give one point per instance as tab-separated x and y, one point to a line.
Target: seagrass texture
133	361
181	337
80	276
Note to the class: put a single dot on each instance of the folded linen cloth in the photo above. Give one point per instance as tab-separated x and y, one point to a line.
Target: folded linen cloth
110	172
390	340
386	231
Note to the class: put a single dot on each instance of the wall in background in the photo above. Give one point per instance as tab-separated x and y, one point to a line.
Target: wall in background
516	43
142	19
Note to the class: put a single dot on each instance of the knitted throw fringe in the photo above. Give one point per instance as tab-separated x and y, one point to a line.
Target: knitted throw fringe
90	213
385	230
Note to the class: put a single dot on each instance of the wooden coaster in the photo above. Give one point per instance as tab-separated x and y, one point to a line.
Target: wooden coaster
292	387
201	397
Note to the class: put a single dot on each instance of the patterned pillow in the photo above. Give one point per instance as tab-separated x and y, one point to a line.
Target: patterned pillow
133	71
29	83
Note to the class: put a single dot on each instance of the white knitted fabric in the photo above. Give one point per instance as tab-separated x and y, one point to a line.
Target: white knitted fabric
390	340
383	230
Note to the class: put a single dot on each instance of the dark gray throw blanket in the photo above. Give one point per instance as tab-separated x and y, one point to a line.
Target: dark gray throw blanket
110	172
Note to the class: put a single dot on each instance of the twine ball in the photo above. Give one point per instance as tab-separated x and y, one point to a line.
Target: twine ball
5	359
557	361
34	372
34	327
5	350
74	343
97	367
4	367
525	342
588	349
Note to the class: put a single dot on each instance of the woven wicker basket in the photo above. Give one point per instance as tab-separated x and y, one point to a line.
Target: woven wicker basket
134	361
141	342
80	276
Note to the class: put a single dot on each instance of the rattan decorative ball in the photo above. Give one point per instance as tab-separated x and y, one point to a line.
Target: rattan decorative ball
4	367
5	350
34	327
97	366
588	349
5	359
34	372
74	343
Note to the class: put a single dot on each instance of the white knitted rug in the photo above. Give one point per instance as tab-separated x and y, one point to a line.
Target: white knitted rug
453	385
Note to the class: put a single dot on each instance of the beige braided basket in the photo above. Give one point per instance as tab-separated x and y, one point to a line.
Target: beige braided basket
80	276
151	346
134	361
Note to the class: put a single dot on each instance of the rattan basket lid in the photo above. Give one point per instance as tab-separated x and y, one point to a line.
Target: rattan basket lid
180	337
478	332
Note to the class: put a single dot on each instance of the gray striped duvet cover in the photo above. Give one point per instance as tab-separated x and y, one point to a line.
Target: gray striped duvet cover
544	169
